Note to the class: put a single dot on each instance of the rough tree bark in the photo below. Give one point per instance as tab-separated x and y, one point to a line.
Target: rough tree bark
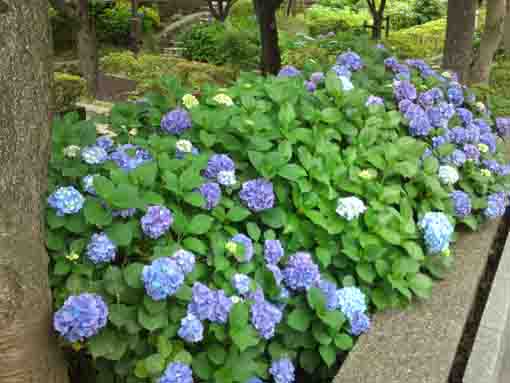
377	17
489	44
266	15
87	47
27	346
458	50
506	36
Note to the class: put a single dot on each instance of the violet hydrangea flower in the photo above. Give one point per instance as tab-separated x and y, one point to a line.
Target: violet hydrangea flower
273	251
456	95
351	60
341	71
289	71
472	152
317	78
66	200
176	121
162	278
128	157
124	213
81	317
257	195
465	116
360	323
461	203
185	260
177	373
202	302
489	139
420	126
282	371
101	249
404	90
265	317
496	205
503	126
218	163
211	192
156	221
104	142
191	330
310	86
222	308
457	158
374	100
301	272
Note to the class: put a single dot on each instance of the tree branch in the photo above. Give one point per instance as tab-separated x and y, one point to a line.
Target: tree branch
381	8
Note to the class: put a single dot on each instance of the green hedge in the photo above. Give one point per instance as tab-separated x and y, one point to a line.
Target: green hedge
68	89
320	19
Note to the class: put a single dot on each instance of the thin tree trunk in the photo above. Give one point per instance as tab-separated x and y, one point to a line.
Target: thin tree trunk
506	36
87	47
271	59
377	27
458	49
28	350
491	38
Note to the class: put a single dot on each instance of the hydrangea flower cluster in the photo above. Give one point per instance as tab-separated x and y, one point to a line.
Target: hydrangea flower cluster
94	155
105	142
448	175
350	208
176	122
207	304
81	317
219	163
496	205
351	300
162	278
329	290
128	157
245	242
191	330
350	60
404	90
374	100
265	317
461	203
66	200
437	231
289	71
257	195
185	260
301	272
177	373
360	323
101	249
211	192
71	151
190	101
88	184
241	283
341	71
273	251
317	78
503	126
156	221
282	371
223	99
184	147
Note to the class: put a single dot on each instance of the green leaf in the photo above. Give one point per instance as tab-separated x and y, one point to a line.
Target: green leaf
152	322
389	235
287	114
333	319
253	231
195	245
183	357
155	364
430	165
244	338
107	344
292	172
309	360
145	174
200	224
164	346
324	256
316	299
406	168
216	354
133	275
343	342
201	366
103	187
405	265
331	115
328	354
237	214
95	214
414	250
300	319
195	199
120	233
366	272
421	285
274	218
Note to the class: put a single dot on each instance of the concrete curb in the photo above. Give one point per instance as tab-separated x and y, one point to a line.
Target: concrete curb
418	345
492	342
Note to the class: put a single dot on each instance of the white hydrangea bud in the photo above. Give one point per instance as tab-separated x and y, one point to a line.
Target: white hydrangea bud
350	208
184	146
223	99
71	151
448	175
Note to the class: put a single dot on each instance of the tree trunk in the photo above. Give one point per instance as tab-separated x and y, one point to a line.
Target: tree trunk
507	29
458	49
87	47
271	59
377	27
28	348
491	38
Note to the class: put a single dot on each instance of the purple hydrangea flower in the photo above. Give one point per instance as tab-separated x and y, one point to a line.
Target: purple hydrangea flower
489	139
418	64
185	260
427	99
341	71
496	205
438	141
436	118
176	121
101	249
406	106
412	111
330	293
374	100
94	155
473	133
162	278
465	116
438	94
289	71
176	373
282	371
404	90
317	78
222	308
257	194
104	142
458	135
211	192
219	163
124	213
241	283
265	317
457	158
202	302
503	126
351	60
128	157
310	86
301	272
420	126
402	72
437	231
351	300
360	323
247	244
472	152
461	203
156	221
390	62
191	330
492	165
456	95
482	125
66	200
273	251
81	317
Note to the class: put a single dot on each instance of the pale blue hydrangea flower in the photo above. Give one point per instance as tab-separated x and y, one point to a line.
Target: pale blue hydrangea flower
156	221
351	300
448	175
185	260
101	249
282	371
227	178
94	155
273	251
437	231
191	329
301	272
496	205
241	283
177	373
350	208
66	200
360	323
162	278
265	317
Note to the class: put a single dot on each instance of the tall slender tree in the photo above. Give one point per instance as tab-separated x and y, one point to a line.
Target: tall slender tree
377	13
28	348
458	50
266	15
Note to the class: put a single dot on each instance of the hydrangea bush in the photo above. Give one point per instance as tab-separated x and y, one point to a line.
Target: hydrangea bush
247	237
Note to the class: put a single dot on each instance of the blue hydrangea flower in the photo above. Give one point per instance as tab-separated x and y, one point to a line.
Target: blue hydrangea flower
162	278
202	302
458	135
427	99
456	95
227	178
310	86
360	323
390	62
94	155
156	221
482	125
374	100
457	158
246	242
257	194
503	126
472	152
124	213
66	200
489	139
420	126
101	249
218	163
406	106
128	157
81	317
351	300
185	260
317	78
341	71
496	205
241	283
177	373
104	142
465	116
404	90
437	231
418	64
439	140
88	184
436	118
265	317
211	192
222	308
289	71
492	165
282	371
191	329
301	272
402	72
330	293
273	251
176	121
461	203
351	60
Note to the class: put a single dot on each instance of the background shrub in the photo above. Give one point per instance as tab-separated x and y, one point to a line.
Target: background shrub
320	19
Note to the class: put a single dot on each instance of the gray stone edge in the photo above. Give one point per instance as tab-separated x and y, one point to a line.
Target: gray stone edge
418	345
